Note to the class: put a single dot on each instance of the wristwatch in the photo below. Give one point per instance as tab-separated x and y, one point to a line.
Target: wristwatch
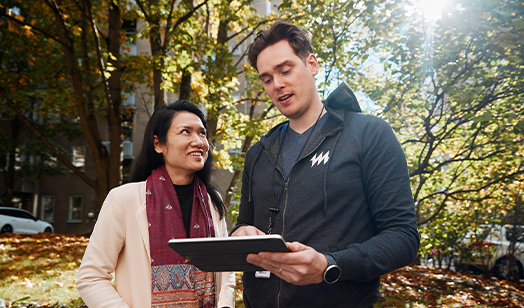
332	272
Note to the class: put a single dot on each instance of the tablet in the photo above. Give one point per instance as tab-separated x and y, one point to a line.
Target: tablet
224	254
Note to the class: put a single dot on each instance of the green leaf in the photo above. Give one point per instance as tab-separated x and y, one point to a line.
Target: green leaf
519	127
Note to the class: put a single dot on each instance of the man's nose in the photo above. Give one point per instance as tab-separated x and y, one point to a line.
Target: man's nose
278	83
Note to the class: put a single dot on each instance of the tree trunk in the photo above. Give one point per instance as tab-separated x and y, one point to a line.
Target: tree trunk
185	86
157	52
115	105
9	174
84	95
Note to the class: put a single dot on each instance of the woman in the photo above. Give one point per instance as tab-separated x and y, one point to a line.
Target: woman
170	196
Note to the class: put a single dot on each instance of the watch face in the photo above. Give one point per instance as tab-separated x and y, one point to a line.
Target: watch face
332	274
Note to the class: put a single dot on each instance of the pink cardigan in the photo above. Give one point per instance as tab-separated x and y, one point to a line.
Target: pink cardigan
120	244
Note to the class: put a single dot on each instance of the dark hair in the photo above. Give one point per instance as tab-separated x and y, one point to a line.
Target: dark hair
148	159
298	38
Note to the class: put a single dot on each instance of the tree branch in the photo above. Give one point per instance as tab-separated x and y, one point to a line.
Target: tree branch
46	142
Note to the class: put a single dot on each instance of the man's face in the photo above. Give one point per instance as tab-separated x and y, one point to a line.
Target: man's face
288	80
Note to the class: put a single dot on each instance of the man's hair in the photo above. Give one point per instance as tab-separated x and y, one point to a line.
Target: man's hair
298	38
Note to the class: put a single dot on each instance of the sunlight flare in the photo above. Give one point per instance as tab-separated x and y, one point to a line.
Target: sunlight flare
431	9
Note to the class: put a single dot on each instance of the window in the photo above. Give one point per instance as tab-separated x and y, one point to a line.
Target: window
18	213
515	234
79	157
128	99
48	208
127	125
127	148
26	215
75	209
51	161
126	169
129	45
11	160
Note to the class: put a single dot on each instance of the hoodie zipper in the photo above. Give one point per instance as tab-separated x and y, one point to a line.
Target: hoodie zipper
283	229
286	194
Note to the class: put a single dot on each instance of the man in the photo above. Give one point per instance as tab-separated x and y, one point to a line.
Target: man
332	181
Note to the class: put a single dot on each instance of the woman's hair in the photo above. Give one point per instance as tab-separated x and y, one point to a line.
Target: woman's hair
148	159
298	38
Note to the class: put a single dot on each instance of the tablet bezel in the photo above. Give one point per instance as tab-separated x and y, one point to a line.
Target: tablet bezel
219	254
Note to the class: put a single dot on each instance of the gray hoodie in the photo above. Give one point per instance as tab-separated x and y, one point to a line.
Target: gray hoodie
348	194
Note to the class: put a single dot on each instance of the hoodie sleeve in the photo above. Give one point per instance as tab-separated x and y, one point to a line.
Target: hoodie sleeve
388	192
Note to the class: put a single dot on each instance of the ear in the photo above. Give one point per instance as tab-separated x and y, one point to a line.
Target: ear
312	63
158	146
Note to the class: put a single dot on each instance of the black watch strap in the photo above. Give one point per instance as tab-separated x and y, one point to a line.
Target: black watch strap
332	272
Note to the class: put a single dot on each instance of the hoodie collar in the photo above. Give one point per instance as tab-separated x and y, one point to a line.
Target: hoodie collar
340	100
343	98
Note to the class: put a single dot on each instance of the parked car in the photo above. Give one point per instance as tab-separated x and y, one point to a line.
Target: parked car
493	244
14	220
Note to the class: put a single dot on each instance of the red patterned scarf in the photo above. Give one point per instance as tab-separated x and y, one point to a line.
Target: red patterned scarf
175	282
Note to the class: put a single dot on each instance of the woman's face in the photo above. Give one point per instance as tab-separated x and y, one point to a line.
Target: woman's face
186	149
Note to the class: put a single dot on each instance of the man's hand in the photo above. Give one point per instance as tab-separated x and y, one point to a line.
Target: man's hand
302	266
247	230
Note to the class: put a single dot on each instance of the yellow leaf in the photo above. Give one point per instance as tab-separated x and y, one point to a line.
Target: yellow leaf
17	17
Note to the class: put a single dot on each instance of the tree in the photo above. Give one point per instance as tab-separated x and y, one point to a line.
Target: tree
168	21
87	87
451	90
462	124
193	47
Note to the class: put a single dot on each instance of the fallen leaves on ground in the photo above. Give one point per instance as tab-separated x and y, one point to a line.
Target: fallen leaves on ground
23	255
433	287
24	258
39	270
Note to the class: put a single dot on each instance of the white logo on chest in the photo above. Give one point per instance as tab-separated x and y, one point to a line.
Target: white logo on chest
317	160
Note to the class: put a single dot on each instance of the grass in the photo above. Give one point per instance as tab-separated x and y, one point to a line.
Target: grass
40	271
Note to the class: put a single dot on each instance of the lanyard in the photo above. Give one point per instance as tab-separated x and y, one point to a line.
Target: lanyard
275	210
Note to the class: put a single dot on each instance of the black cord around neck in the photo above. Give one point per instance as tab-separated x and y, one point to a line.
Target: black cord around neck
275	209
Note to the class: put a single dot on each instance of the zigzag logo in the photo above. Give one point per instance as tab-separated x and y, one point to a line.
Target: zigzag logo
317	160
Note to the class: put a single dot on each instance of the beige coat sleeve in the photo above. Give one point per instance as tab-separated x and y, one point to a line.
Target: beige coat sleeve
94	280
225	280
120	244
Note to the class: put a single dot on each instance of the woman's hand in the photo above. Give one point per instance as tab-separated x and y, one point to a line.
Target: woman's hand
247	230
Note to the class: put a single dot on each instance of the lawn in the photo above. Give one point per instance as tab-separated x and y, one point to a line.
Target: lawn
40	271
